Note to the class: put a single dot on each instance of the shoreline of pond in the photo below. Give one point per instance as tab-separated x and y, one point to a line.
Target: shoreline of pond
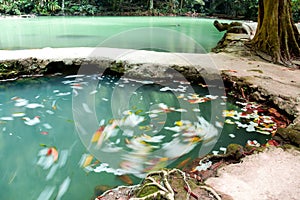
247	76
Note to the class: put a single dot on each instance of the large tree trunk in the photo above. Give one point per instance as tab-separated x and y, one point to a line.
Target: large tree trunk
277	36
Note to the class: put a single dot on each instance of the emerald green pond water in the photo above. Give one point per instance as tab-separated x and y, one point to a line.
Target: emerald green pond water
175	34
62	136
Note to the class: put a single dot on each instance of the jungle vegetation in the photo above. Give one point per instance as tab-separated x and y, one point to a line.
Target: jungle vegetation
233	9
244	9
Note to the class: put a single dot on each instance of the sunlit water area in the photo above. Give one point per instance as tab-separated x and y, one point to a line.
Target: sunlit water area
60	137
175	34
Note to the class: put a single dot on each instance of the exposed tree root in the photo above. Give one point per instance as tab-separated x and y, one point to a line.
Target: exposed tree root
168	184
211	190
161	180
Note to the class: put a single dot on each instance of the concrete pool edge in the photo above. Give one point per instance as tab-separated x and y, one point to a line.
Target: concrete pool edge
265	81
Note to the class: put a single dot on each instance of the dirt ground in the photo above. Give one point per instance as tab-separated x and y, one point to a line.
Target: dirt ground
271	175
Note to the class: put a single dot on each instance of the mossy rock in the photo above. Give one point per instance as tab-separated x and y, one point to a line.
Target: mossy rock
118	67
148	190
235	151
290	135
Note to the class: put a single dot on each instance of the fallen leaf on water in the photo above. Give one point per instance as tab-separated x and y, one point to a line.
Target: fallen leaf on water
53	152
138	112
46	193
274	112
180	96
178	123
7	118
199	100
195	139
18	114
272	143
127	141
145	128
20	102
32	122
126	179
228	121
87	161
97	134
47	126
34	105
203	85
229	113
183	163
63	188
253	143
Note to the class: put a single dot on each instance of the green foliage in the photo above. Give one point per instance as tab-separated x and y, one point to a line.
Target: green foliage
296	10
235	8
246	9
10	9
53	6
88	9
77	9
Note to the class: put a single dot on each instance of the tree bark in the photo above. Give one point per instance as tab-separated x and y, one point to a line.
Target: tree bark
181	4
276	35
151	5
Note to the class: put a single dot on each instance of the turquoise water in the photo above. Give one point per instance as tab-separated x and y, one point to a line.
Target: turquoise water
175	34
65	113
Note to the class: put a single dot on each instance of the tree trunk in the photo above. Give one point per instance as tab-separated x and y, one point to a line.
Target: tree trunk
277	36
172	6
181	4
63	6
151	5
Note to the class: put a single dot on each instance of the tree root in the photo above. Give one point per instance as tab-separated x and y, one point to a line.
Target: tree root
159	185
161	180
212	191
